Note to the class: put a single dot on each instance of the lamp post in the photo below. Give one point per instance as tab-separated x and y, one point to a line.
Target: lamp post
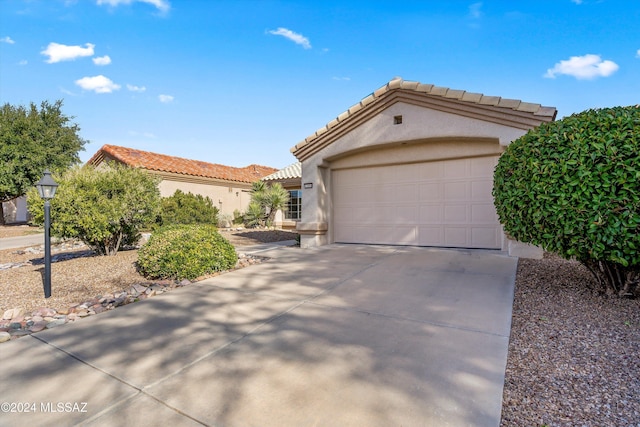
47	189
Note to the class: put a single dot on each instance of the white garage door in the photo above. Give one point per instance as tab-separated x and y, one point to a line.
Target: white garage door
442	203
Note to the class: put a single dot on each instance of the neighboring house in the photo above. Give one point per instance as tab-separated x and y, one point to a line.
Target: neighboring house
290	178
15	210
411	164
228	187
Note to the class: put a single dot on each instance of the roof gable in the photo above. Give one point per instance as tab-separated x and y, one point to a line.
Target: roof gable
164	163
509	112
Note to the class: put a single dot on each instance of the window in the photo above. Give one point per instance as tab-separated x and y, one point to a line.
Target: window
294	207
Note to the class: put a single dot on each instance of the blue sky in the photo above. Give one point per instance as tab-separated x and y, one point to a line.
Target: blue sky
241	82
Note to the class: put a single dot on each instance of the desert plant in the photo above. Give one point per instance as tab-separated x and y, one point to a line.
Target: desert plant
224	220
187	208
185	252
255	215
573	187
105	208
270	199
238	218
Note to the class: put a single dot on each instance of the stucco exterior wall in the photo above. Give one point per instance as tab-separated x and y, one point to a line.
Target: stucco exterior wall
225	196
423	135
15	210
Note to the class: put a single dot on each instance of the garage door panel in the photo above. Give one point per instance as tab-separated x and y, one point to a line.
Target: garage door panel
481	189
482	235
430	236
429	192
455	236
405	215
431	214
455	169
483	213
482	166
442	203
456	191
456	213
431	171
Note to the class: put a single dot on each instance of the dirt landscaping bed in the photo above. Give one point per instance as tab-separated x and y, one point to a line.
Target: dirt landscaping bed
85	276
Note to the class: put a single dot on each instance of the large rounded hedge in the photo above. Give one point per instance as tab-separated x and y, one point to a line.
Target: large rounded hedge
185	252
573	187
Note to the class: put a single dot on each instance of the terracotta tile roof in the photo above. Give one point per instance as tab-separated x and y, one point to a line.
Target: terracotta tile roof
290	172
534	113
164	163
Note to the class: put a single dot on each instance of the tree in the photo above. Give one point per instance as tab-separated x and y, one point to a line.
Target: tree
573	187
105	208
266	200
32	140
187	208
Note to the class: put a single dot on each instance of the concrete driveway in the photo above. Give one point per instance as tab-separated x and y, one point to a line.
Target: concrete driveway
343	335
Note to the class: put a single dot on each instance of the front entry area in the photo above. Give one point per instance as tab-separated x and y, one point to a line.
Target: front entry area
444	203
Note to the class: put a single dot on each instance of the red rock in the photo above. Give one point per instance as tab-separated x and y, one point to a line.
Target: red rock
38	326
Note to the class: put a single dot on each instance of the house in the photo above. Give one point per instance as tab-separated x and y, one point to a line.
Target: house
15	210
290	178
228	187
411	164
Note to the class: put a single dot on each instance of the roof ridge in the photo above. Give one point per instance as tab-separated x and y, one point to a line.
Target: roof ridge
398	83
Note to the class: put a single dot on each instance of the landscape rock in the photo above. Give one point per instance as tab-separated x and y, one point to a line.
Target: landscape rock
15	324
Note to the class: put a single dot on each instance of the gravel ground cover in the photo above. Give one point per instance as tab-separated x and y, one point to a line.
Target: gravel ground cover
574	356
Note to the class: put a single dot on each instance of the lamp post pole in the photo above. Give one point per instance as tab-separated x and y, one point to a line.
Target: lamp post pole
47	189
47	249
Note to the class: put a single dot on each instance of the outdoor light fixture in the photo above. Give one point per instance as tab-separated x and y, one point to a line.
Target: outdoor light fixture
47	189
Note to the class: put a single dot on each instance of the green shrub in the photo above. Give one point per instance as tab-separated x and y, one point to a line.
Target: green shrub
105	208
187	208
238	218
185	252
266	200
573	187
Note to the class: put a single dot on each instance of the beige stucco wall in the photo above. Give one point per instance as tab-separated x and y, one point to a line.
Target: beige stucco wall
225	196
15	210
424	135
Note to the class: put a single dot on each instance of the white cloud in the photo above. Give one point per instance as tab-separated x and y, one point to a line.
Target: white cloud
165	98
583	67
98	84
345	79
23	62
7	40
161	5
60	52
474	10
134	88
638	54
577	1
102	60
294	37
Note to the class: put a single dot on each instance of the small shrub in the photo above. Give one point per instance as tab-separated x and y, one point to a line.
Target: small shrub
187	208
238	218
224	220
185	252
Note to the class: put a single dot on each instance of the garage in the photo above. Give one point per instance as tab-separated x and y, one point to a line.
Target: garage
445	203
412	164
